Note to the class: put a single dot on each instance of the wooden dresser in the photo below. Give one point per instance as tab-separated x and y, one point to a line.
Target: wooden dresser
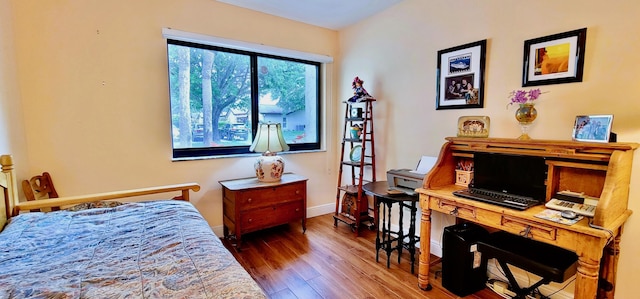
600	170
250	205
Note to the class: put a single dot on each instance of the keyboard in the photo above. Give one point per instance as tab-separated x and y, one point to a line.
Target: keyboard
588	208
498	198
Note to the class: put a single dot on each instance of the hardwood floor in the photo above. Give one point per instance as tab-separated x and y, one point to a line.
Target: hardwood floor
330	262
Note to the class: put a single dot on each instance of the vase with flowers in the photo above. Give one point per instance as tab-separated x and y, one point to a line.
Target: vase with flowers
526	112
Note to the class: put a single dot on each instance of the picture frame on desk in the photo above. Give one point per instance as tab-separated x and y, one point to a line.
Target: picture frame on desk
592	128
554	59
473	126
460	76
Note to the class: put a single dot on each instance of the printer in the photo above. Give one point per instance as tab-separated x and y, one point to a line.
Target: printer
407	180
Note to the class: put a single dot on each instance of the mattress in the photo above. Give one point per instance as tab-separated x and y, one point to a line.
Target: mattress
156	249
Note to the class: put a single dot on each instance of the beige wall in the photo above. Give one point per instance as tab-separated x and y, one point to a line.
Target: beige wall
395	54
11	123
91	77
93	80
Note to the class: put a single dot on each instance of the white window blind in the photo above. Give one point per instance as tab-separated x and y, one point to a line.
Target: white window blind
241	45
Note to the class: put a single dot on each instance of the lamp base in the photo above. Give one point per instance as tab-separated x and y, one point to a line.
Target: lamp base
269	168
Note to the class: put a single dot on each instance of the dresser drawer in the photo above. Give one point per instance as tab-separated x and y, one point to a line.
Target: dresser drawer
265	197
266	217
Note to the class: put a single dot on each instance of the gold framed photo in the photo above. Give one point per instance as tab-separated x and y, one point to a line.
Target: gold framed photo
473	126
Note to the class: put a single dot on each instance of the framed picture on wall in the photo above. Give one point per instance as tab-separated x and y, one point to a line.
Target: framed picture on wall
592	128
460	76
554	59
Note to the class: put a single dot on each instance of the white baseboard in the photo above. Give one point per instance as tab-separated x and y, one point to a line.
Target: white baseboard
218	230
436	248
321	210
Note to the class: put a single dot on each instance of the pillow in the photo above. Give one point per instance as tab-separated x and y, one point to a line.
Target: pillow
95	205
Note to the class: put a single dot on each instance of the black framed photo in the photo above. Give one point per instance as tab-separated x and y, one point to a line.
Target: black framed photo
592	128
554	59
460	76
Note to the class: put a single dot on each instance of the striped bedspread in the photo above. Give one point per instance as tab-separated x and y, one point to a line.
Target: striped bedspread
158	249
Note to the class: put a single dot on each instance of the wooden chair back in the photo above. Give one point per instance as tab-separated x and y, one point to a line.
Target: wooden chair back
39	187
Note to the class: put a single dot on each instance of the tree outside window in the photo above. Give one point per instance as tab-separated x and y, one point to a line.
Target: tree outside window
218	97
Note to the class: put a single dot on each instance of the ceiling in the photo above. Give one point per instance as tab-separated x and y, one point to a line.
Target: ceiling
332	14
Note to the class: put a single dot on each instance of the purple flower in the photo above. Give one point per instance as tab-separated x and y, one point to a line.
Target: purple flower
534	93
523	96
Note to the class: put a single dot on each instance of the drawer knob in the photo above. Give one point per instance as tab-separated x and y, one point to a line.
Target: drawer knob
250	220
298	210
297	191
249	200
454	212
527	232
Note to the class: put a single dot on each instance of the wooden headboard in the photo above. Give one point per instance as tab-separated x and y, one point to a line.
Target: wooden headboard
12	206
9	189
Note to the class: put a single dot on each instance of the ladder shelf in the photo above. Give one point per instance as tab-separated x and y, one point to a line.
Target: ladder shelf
357	167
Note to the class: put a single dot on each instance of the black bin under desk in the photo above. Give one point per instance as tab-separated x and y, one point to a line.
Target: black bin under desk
464	269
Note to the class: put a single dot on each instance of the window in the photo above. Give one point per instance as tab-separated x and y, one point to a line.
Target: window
219	96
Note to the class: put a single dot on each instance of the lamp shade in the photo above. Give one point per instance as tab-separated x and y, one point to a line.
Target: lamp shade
269	140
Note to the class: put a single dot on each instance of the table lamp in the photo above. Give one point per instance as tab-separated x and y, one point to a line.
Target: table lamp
269	141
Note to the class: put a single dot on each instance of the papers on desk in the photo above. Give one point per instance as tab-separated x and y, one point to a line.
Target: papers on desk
555	216
425	164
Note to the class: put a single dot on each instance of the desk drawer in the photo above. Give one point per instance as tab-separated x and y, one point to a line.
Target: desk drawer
455	209
271	216
528	229
500	221
264	197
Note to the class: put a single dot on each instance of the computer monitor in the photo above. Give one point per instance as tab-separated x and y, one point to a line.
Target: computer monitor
514	174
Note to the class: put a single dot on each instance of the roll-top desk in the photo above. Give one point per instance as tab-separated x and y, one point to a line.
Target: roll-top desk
598	169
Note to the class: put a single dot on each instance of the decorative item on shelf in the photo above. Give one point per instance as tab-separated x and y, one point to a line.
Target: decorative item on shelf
269	141
359	93
473	126
593	128
349	205
356	131
356	112
356	153
526	112
464	173
525	115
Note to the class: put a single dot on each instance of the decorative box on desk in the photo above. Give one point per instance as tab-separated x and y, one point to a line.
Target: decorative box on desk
250	205
463	177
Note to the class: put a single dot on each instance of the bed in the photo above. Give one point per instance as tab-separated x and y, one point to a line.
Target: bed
144	249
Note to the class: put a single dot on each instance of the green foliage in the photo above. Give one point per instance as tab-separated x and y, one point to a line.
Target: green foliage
230	79
285	80
231	85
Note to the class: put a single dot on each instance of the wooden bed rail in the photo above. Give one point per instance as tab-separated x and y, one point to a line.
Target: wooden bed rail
71	200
